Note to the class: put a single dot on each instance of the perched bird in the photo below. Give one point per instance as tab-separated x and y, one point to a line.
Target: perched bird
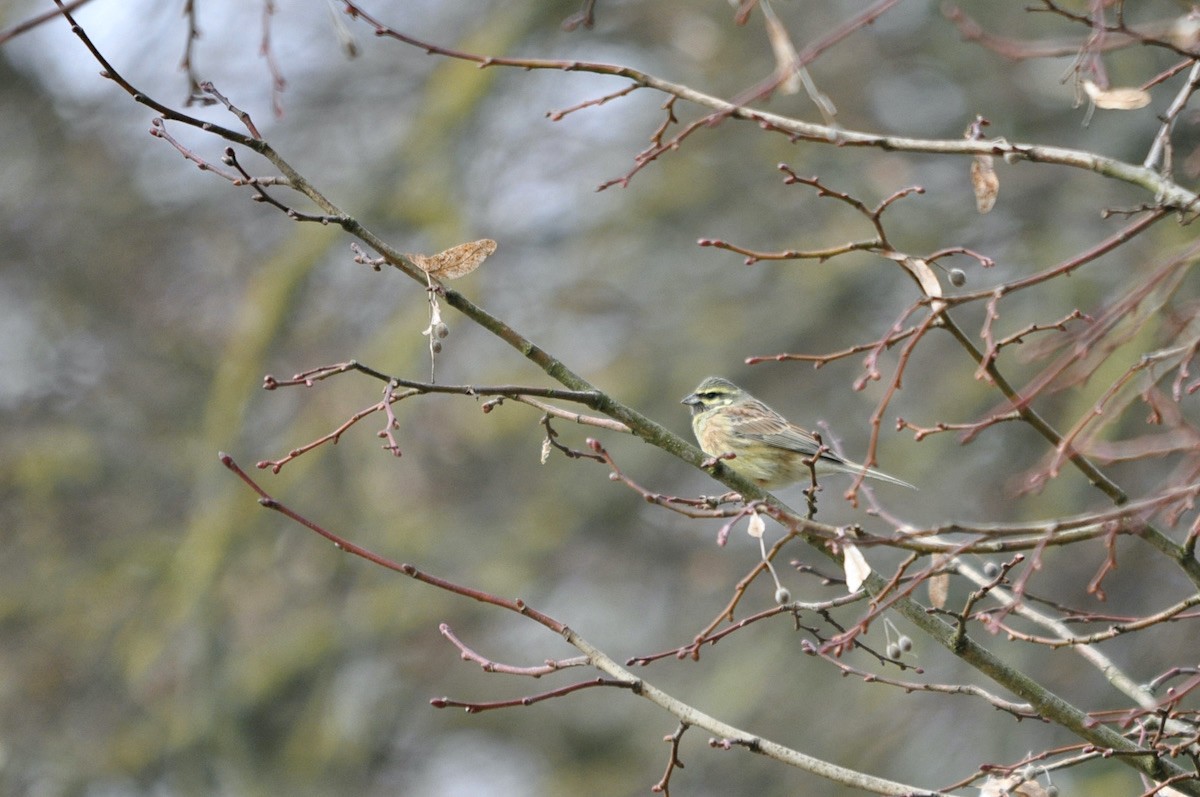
766	447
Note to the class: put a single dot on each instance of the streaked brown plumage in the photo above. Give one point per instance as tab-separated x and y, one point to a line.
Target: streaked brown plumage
766	447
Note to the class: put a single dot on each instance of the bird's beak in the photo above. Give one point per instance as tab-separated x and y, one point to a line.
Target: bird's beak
690	399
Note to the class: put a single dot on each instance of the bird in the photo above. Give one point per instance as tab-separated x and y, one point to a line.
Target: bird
767	448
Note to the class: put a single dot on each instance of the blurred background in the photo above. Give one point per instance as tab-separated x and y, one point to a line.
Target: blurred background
160	634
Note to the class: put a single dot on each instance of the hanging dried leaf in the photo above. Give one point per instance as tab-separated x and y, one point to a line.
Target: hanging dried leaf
985	182
457	261
1116	99
939	590
923	273
756	527
787	60
856	567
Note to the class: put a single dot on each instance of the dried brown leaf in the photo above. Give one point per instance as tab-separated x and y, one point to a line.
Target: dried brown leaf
856	567
457	261
787	60
1119	99
985	182
939	590
923	273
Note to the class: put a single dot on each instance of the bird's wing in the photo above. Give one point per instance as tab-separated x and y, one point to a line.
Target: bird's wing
793	438
776	432
789	437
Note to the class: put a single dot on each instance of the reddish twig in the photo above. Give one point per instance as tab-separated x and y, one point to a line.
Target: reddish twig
873	216
693	650
971	429
158	129
688	507
658	147
753	256
893	386
412	388
1060	325
196	95
1154	35
983	260
278	83
39	19
1019	49
517	606
390	423
529	700
1174	613
557	116
260	194
893	337
1017	710
333	437
307	378
1070	265
673	762
550	665
208	88
551	441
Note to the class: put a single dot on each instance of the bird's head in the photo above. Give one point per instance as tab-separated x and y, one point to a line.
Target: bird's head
713	392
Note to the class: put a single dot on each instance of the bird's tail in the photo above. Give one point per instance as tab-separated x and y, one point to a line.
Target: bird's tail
878	475
830	462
